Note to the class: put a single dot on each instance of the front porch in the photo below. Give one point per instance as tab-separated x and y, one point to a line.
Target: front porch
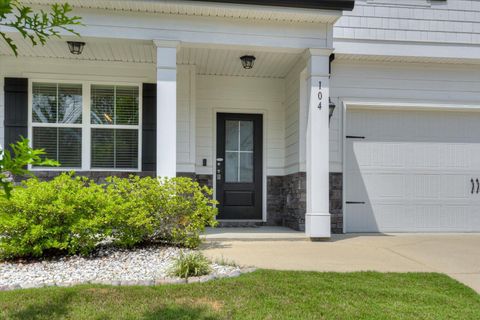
182	90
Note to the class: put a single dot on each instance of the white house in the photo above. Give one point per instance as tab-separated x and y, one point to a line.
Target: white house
237	94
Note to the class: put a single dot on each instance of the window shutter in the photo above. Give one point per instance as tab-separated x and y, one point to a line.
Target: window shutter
16	109
149	127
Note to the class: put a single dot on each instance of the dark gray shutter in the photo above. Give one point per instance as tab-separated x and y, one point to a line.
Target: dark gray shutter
149	127
16	109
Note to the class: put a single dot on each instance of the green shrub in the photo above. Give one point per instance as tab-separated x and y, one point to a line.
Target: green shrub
150	210
72	215
190	265
59	216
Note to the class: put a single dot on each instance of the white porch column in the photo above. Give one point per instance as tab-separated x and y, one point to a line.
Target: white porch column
317	220
166	108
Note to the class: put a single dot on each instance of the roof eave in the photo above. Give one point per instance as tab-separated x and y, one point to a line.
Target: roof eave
340	5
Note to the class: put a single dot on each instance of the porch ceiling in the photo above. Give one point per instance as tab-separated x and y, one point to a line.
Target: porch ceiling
95	50
209	61
226	62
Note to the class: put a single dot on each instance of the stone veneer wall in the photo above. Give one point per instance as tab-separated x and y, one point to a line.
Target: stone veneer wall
286	195
336	201
97	176
286	201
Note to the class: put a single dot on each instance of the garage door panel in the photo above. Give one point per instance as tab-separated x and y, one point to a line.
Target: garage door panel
385	186
414	179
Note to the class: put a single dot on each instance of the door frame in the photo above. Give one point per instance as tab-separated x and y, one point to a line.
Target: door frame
391	104
264	114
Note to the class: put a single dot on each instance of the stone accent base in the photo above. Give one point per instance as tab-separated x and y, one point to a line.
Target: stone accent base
286	196
336	201
97	176
286	201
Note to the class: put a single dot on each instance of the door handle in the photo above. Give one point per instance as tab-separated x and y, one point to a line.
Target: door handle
473	186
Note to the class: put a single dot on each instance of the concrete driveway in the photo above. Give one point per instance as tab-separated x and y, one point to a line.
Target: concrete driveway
457	255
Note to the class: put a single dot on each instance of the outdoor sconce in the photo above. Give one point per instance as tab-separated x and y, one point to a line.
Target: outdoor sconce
75	47
331	109
248	61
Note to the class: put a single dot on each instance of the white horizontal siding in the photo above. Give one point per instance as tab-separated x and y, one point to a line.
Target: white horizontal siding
185	124
452	21
292	120
397	82
240	95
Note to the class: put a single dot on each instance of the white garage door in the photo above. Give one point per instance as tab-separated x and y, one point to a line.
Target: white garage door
412	171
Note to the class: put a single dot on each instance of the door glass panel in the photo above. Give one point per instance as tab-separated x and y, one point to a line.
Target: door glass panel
239	151
231	132
246	167
246	135
231	167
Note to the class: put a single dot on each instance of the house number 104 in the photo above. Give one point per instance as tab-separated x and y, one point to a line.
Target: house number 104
320	95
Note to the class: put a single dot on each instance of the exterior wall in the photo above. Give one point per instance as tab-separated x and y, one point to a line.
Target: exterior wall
452	21
372	81
242	95
293	119
287	201
336	202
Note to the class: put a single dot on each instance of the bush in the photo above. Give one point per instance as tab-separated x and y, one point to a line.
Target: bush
174	210
190	265
72	215
51	217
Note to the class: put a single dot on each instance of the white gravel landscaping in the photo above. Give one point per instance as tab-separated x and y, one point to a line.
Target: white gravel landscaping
149	266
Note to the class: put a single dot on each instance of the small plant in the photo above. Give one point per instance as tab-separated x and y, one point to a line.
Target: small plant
190	265
222	261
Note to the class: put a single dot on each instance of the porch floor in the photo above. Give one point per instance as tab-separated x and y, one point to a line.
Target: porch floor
254	234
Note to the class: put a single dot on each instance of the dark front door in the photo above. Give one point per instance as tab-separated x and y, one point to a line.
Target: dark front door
239	166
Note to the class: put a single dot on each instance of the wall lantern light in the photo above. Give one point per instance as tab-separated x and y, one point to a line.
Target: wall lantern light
248	61
75	47
331	109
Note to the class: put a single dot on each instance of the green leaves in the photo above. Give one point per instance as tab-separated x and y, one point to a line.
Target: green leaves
17	165
193	264
72	215
37	27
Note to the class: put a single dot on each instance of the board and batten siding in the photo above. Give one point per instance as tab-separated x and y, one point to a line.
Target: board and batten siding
452	21
57	69
452	84
240	95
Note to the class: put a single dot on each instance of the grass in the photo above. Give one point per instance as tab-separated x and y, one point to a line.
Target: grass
260	295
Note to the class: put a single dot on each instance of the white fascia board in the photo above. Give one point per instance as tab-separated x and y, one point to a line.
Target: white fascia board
104	24
407	49
206	9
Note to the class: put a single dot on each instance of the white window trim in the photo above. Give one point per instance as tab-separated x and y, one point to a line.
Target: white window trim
86	126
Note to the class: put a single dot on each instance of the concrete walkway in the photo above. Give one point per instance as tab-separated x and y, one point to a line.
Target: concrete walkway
457	255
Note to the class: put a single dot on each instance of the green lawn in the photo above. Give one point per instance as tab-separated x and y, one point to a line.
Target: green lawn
260	295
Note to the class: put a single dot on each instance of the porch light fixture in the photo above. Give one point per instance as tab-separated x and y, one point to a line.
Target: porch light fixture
331	109
248	61
75	47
